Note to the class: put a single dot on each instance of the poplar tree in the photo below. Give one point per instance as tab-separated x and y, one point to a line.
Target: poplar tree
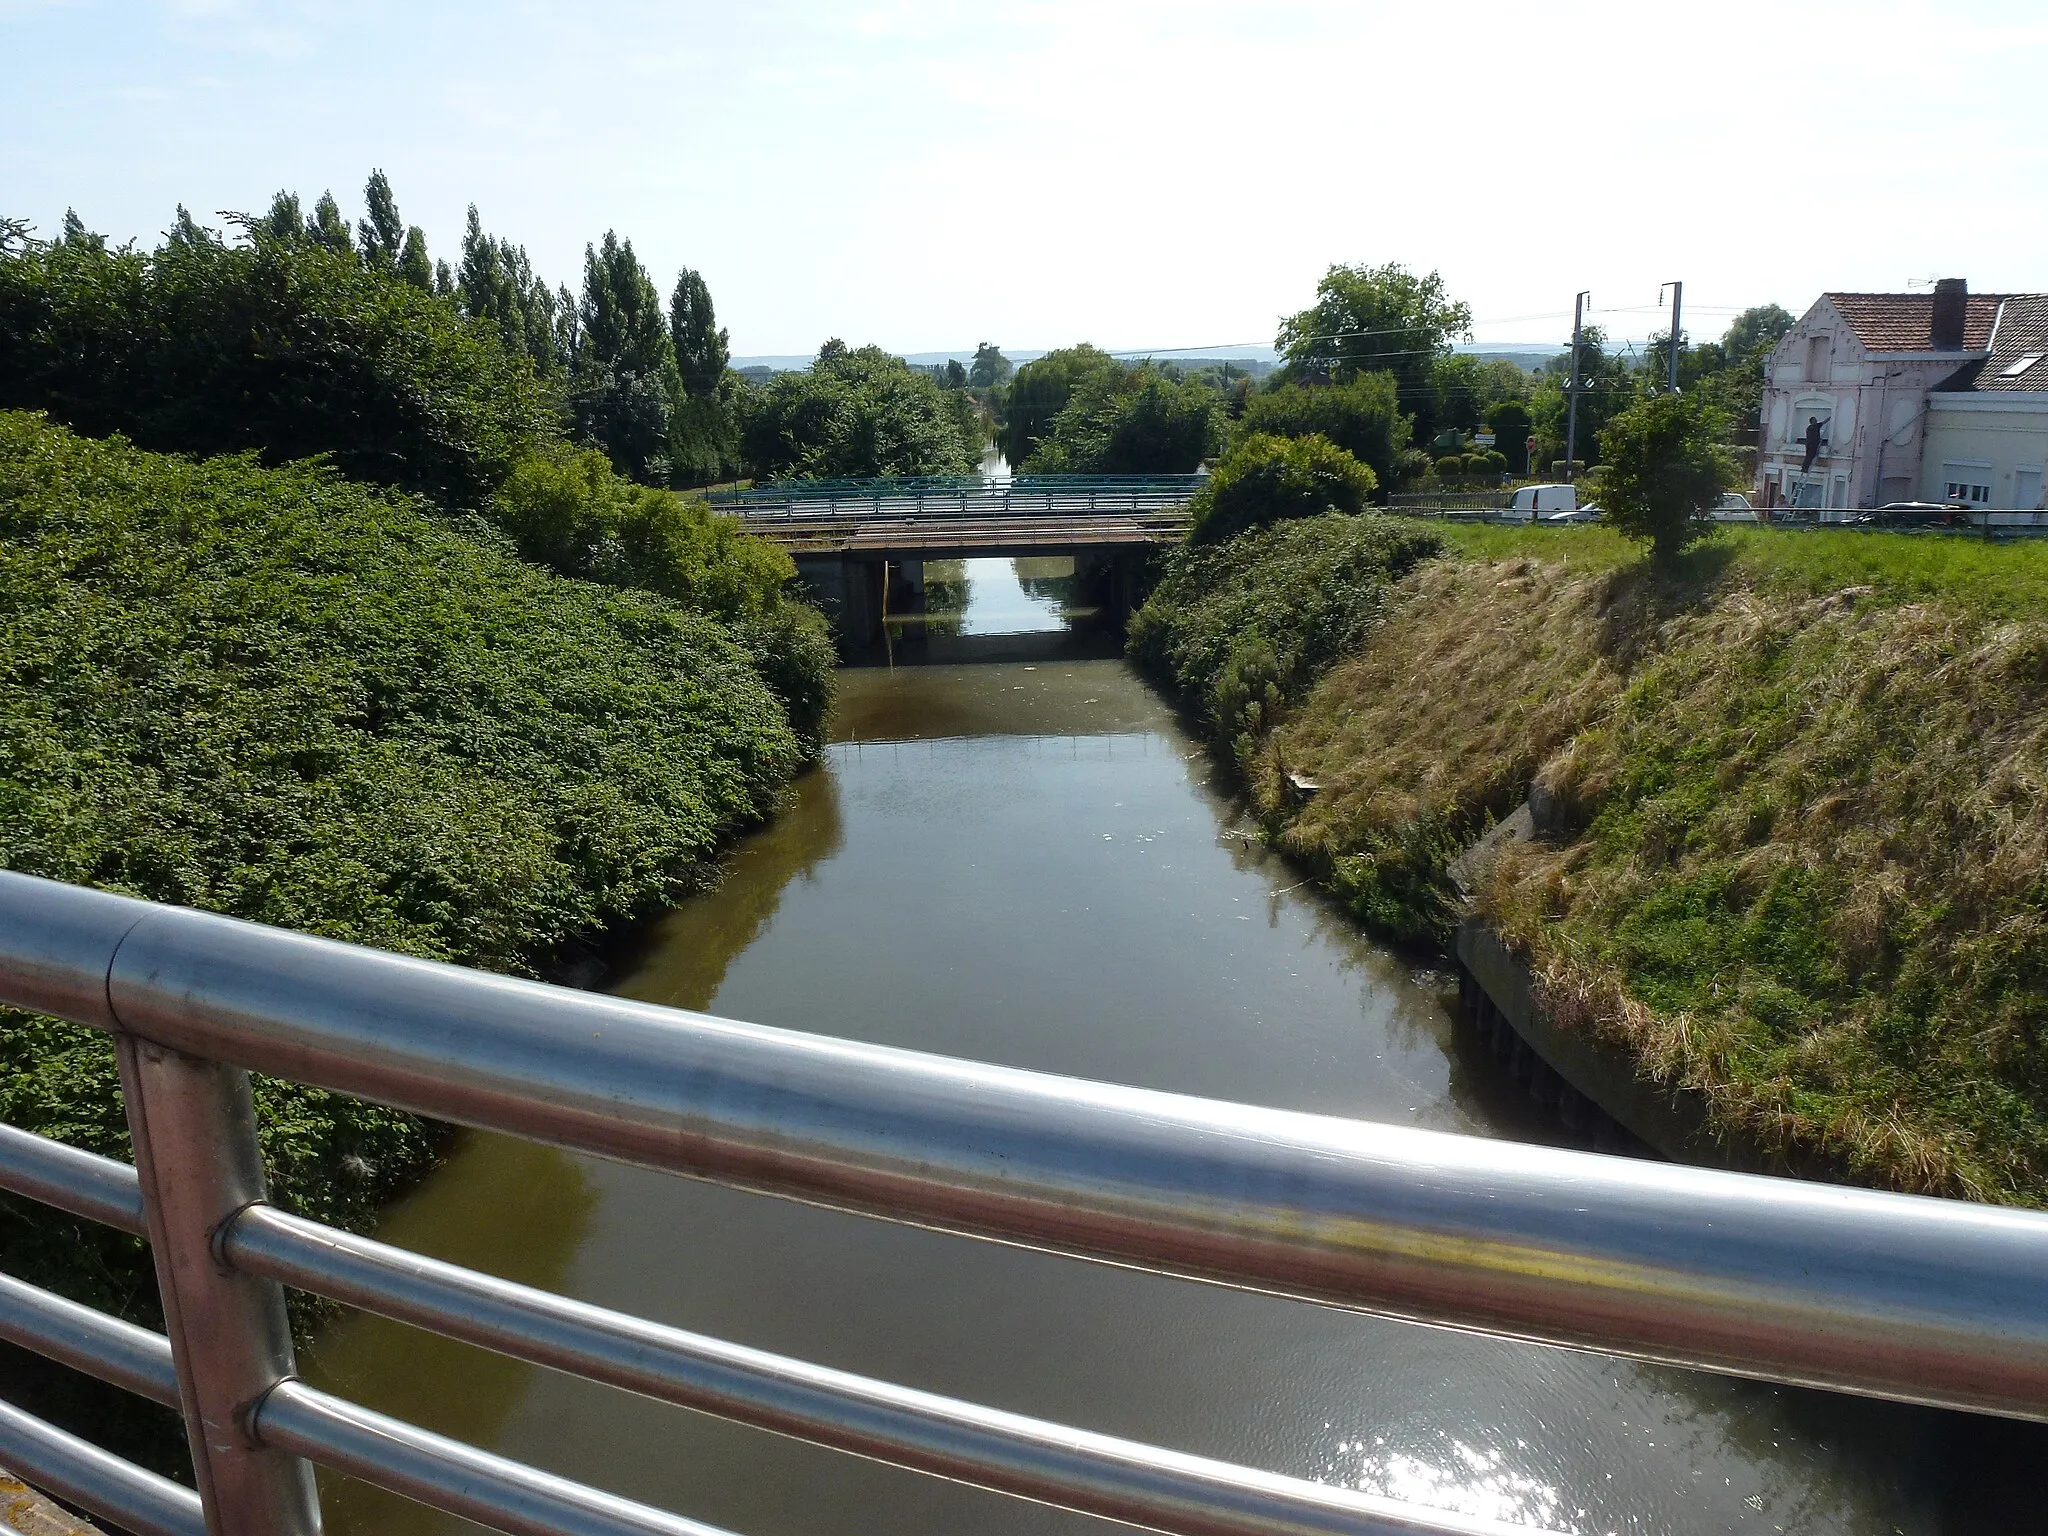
413	265
286	221
700	346
381	233
327	227
624	385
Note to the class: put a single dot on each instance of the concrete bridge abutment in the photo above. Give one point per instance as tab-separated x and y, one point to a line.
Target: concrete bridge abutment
851	592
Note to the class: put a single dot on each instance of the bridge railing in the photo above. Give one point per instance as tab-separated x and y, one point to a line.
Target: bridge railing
1025	495
1887	1295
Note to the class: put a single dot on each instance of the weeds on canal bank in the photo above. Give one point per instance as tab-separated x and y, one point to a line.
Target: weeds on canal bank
1239	629
1795	829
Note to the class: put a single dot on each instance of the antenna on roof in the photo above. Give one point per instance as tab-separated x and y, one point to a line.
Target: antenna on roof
1922	282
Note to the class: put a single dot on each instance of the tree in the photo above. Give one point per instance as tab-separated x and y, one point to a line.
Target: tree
1129	422
1755	331
78	237
699	343
1607	385
1267	479
328	228
281	345
1041	390
990	370
380	233
1377	319
1362	417
1665	467
857	413
623	381
285	222
496	283
413	265
1509	422
949	374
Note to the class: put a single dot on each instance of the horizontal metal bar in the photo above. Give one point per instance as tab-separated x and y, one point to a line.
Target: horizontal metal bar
1898	1296
97	1188
79	1472
88	1340
1008	1453
448	1475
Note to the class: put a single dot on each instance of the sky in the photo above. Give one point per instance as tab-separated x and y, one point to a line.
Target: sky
1171	175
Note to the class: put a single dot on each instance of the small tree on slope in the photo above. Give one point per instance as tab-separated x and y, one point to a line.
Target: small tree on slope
1664	467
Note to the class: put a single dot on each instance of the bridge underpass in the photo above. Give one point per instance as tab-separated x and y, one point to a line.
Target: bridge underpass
855	540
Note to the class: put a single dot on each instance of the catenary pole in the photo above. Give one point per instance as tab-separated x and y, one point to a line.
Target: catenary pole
1677	298
1571	417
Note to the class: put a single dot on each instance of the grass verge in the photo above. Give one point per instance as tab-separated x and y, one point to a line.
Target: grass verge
1797	851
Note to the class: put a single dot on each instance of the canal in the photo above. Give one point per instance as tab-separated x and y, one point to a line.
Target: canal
1013	852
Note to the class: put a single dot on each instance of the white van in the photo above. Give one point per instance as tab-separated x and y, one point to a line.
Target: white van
1537	502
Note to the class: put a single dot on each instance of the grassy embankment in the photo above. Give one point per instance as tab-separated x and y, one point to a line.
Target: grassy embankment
324	705
1798	862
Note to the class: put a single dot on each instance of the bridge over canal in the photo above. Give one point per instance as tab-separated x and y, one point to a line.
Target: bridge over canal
853	539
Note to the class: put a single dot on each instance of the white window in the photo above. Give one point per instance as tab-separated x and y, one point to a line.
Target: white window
1966	483
2023	365
1817	349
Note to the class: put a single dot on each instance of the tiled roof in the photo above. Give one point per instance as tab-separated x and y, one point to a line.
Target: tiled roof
2022	333
1901	322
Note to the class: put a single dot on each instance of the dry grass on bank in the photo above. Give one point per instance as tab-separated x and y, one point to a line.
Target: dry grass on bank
1803	869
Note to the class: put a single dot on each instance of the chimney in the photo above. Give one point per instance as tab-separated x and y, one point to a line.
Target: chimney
1951	305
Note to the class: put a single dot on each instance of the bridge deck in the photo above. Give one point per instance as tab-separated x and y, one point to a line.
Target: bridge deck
958	517
939	537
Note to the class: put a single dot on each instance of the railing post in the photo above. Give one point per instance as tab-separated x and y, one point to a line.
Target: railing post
193	1124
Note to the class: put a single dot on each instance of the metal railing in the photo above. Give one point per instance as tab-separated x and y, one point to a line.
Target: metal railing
1891	1296
912	499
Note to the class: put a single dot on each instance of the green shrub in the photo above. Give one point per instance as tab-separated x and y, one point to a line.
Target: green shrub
1239	628
1363	418
1267	479
1664	465
304	701
569	510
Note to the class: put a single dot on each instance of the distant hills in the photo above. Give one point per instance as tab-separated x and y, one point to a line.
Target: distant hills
1256	361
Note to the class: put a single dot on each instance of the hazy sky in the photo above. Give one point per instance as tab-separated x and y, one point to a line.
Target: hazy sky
1138	174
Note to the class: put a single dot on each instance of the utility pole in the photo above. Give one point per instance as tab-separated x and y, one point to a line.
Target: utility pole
1571	415
1677	297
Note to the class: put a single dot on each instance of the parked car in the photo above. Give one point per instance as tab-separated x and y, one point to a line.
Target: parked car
1914	514
1734	508
1537	502
1586	514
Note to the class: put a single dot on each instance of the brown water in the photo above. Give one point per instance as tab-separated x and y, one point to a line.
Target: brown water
1025	861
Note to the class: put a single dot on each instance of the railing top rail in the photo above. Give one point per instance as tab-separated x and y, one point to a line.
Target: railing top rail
1890	1295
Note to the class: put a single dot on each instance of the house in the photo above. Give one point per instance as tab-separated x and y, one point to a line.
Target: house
1987	427
1882	397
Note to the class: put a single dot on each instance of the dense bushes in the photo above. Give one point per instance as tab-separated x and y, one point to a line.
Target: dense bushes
566	509
278	694
1363	417
1267	479
284	346
1129	422
1239	628
856	414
